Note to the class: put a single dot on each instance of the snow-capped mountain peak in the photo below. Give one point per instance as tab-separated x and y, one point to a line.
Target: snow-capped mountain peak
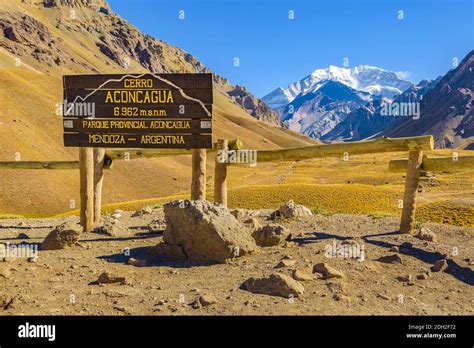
365	78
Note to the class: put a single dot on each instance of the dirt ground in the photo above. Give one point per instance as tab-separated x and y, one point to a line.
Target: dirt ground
62	282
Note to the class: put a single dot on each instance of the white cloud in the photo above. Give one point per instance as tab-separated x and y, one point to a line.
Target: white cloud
404	75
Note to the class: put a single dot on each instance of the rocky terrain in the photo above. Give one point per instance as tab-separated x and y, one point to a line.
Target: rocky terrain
194	258
447	110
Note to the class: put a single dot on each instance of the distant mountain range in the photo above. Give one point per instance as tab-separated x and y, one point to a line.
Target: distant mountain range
336	104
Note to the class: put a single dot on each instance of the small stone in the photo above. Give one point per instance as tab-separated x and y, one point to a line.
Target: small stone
137	263
335	288
290	210
252	223
422	276
302	275
404	278
394	249
22	236
276	284
270	235
143	211
32	259
395	258
327	271
116	216
426	234
440	266
107	278
207	300
383	296
286	263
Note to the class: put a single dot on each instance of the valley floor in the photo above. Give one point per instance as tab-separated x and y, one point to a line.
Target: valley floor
61	282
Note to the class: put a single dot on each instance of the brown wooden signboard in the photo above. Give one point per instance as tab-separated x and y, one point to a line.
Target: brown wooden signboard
138	111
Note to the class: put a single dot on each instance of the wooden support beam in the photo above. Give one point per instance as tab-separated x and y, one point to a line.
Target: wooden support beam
436	164
86	170
411	191
51	165
99	155
235	144
54	165
144	153
198	180
220	173
418	143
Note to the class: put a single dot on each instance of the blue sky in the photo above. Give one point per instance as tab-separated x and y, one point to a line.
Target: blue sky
274	50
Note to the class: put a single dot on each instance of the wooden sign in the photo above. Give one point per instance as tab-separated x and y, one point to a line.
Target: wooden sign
138	111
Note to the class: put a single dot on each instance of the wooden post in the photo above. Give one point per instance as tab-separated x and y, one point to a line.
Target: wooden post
220	174
411	191
198	181
86	170
99	155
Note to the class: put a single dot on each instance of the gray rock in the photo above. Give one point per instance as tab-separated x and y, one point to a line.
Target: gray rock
426	234
205	232
290	209
63	236
270	235
113	227
440	266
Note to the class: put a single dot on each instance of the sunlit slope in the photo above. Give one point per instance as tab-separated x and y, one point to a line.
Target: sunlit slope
30	129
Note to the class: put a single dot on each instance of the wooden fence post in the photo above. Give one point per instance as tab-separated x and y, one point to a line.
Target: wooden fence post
86	172
99	155
198	181
220	175
412	180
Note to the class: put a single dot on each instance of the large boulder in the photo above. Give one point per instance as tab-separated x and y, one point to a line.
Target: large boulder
276	284
204	232
270	235
63	236
290	210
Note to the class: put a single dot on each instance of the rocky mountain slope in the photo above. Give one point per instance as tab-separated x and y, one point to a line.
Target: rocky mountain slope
317	112
447	110
41	40
369	120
